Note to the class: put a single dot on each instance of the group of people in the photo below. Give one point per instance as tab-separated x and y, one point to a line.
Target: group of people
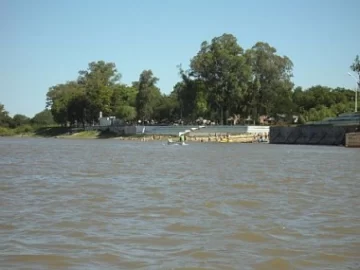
260	137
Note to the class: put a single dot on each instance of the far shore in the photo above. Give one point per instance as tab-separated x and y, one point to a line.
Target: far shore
240	138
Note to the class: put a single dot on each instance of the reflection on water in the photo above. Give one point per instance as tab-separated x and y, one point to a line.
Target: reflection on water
108	204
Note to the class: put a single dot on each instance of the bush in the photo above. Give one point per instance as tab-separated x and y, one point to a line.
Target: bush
6	131
24	129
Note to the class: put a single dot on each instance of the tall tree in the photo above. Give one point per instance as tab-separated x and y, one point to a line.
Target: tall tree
5	119
270	84
98	81
67	102
43	118
356	66
81	101
222	66
123	102
148	96
192	97
168	109
20	119
57	99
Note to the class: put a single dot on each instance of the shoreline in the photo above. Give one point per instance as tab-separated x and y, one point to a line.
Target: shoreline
240	138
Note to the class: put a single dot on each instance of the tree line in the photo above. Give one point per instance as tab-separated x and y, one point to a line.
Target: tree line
225	84
20	123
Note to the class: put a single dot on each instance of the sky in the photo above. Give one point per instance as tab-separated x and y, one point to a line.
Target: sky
44	43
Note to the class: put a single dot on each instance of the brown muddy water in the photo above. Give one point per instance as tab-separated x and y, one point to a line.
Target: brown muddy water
109	204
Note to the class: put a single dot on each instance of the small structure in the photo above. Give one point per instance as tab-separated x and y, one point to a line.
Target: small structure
109	121
106	121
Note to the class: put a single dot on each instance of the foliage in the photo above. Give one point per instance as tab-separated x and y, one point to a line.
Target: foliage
221	66
20	120
126	112
24	129
4	131
5	119
270	87
123	102
224	82
148	95
43	118
356	66
319	102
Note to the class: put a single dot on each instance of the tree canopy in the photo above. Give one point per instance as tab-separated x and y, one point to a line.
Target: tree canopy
224	81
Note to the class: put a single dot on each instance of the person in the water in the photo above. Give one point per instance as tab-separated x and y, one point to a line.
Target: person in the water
181	137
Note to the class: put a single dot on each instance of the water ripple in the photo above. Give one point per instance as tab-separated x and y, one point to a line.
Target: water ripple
108	204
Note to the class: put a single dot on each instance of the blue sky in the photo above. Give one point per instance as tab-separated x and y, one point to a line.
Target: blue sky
44	43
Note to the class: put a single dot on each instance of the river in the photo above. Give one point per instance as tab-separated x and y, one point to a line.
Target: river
110	204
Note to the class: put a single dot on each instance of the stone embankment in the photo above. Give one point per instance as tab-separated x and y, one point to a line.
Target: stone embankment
352	139
240	138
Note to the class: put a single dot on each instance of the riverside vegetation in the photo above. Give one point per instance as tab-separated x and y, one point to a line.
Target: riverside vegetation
224	82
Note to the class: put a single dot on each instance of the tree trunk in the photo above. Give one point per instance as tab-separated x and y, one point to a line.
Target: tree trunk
221	115
226	116
254	115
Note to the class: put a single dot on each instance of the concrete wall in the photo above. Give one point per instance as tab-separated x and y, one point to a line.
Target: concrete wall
163	130
123	130
315	135
258	129
206	131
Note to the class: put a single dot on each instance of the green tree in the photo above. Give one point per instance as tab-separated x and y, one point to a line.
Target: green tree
148	96
67	103
123	102
98	81
168	108
319	113
5	119
270	88
313	101
222	67
81	101
43	118
356	65
20	119
57	101
126	113
319	102
191	96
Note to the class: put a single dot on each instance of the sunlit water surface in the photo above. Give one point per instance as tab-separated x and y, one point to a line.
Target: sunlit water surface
110	204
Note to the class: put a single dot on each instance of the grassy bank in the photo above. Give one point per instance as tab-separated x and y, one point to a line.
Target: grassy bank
21	130
51	132
64	132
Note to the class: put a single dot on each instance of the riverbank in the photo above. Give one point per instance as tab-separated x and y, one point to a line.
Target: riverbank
53	132
241	138
65	133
